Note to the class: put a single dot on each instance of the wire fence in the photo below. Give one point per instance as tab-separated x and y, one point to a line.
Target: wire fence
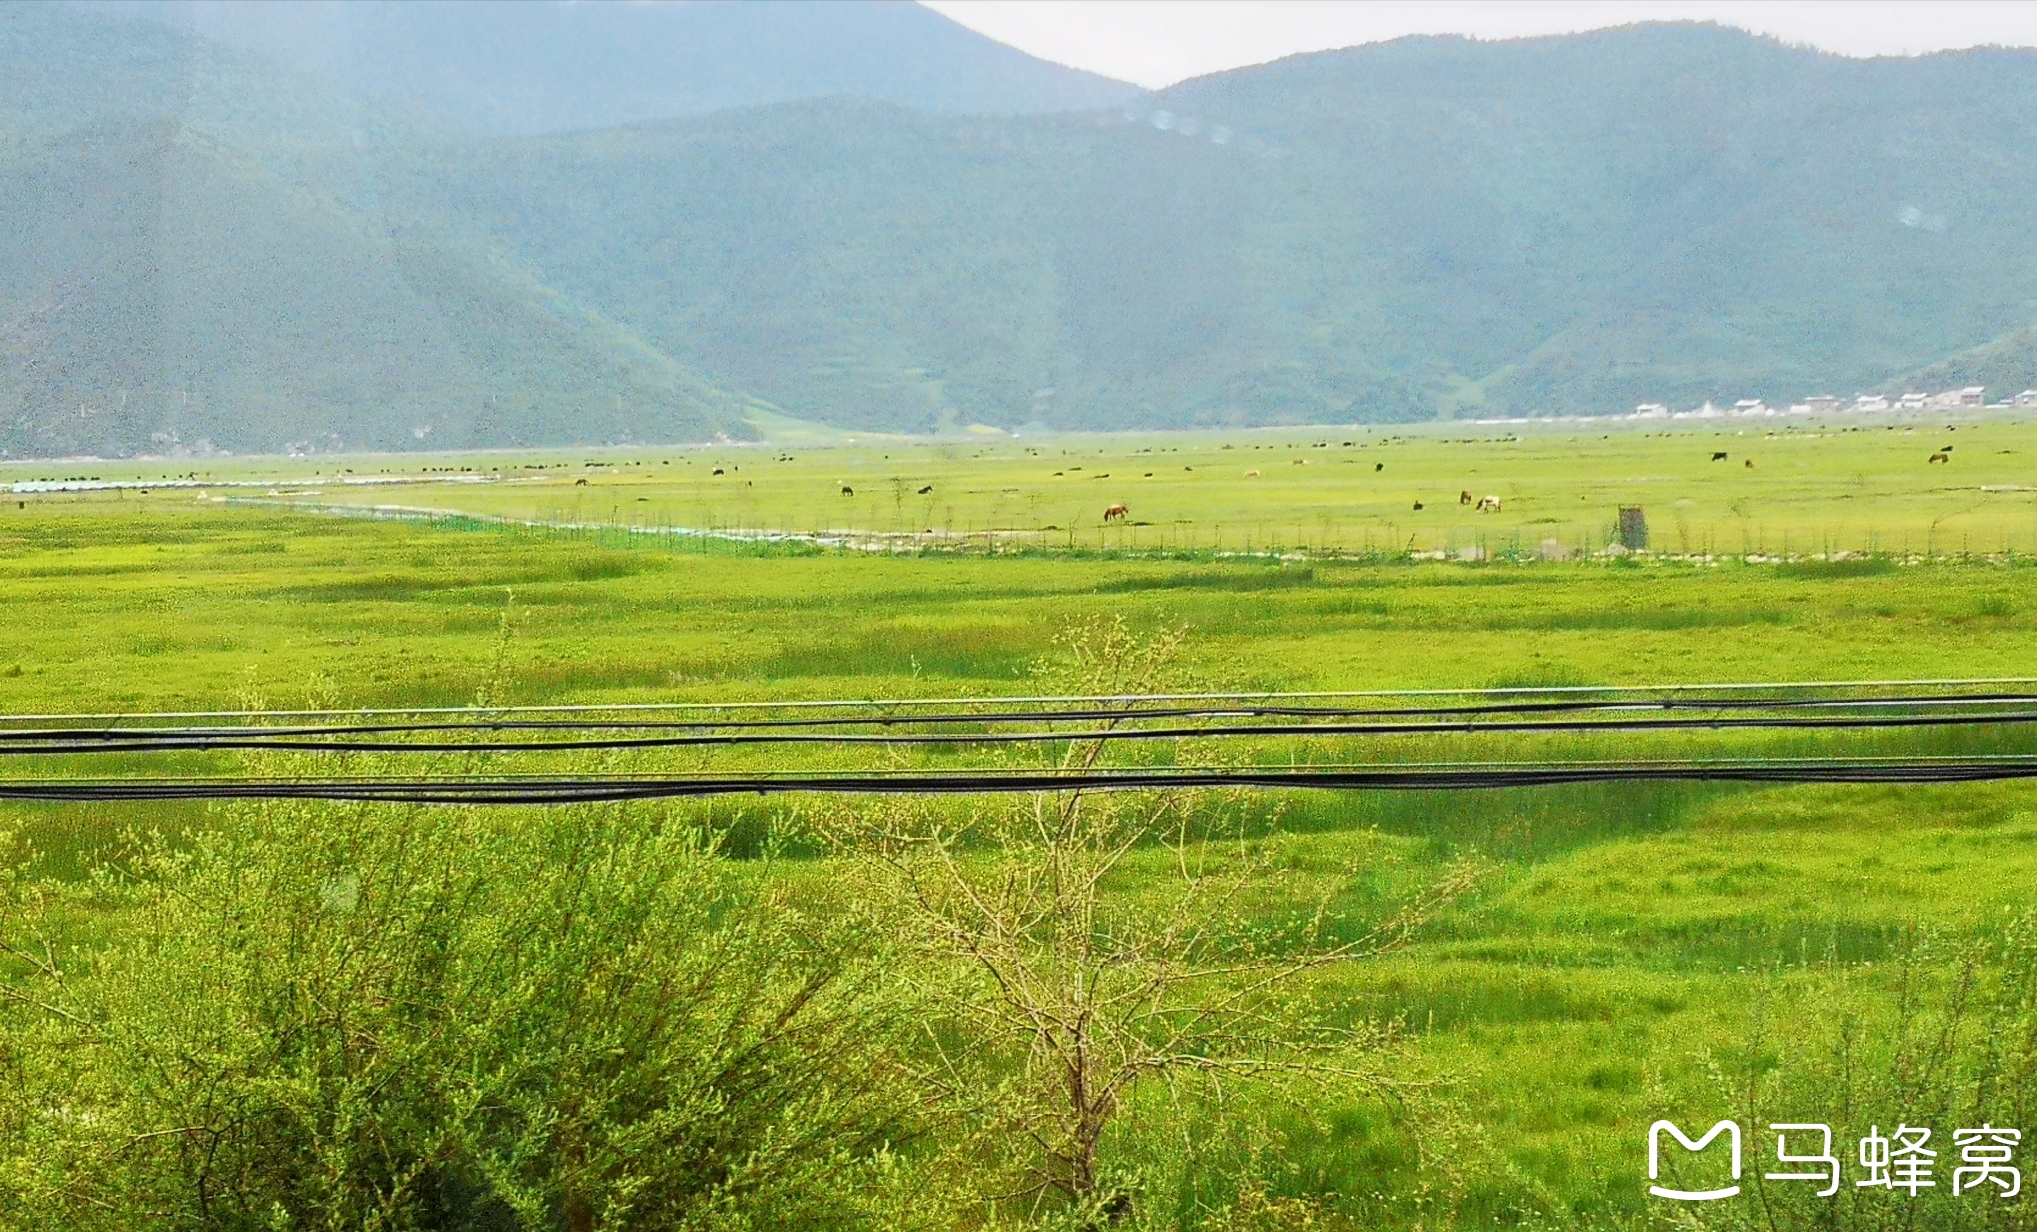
2005	538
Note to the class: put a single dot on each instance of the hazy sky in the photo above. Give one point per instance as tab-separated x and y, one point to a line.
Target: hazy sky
1159	42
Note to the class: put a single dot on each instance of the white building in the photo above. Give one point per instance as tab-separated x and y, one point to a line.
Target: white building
2027	398
1913	402
1818	404
1750	406
1870	402
1973	395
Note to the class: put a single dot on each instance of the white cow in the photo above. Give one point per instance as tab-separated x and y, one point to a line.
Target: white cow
1489	504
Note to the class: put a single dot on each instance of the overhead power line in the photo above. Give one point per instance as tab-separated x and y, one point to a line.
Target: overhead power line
1094	699
572	789
1992	714
344	740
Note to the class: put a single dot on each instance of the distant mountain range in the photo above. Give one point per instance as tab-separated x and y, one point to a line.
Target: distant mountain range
361	224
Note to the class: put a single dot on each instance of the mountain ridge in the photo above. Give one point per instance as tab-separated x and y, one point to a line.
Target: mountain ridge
1416	230
528	67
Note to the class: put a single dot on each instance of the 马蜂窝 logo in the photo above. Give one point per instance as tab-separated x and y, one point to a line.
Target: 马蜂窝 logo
1902	1159
1655	1132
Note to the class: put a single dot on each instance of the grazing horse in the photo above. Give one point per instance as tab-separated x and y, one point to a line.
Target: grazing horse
1719	456
1939	457
928	490
1116	513
1489	504
1464	498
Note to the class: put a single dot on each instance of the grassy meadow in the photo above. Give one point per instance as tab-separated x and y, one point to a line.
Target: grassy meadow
1786	487
1822	954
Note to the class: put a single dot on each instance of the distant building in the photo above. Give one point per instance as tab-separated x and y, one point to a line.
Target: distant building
1651	409
2027	398
1913	402
1973	395
1870	402
1750	406
1819	404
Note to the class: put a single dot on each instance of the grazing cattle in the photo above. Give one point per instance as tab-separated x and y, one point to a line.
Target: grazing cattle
1749	464
1116	513
581	483
1488	504
847	490
718	470
1464	498
1251	474
1377	467
928	490
1301	461
1939	457
1418	506
1719	456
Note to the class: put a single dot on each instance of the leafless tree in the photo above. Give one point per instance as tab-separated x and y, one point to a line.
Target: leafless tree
1097	940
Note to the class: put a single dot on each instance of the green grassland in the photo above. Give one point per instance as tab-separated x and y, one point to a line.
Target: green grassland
1639	952
1852	484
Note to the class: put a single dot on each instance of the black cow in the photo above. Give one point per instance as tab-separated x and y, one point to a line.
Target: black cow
1719	456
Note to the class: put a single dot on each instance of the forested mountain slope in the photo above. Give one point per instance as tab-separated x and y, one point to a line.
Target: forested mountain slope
175	274
1426	228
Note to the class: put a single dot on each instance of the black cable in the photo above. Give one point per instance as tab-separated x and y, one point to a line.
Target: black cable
1125	714
480	790
55	744
1743	688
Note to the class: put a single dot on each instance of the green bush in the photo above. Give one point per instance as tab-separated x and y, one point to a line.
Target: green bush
323	1017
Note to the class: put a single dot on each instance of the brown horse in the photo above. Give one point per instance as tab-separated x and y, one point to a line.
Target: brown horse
1116	513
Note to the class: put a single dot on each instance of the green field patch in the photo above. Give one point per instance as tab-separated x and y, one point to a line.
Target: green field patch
1245	579
1825	570
971	652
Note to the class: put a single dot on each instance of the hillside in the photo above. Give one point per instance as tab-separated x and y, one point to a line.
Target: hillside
1661	213
161	289
502	67
161	292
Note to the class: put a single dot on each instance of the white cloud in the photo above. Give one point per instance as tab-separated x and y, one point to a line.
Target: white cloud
1158	42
